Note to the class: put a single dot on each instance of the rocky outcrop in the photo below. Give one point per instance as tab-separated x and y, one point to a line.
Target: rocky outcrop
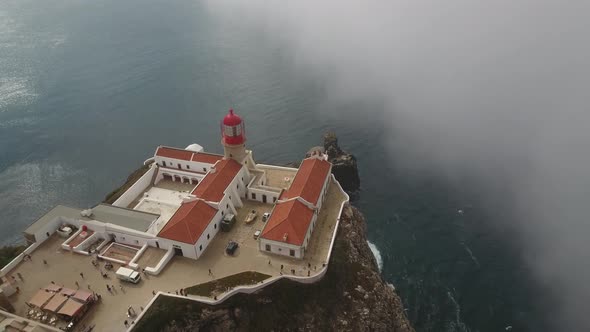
344	165
352	296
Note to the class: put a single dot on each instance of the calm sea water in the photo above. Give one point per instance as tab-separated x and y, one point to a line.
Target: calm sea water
88	89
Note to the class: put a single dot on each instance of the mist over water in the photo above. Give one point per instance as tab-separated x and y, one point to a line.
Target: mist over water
491	93
469	121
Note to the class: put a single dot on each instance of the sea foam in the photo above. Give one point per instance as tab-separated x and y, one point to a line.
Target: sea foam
377	255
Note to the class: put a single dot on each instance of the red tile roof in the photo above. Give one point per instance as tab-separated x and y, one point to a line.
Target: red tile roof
207	158
174	153
188	222
309	180
288	223
216	181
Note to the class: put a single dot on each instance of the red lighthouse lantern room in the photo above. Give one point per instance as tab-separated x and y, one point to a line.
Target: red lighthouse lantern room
232	129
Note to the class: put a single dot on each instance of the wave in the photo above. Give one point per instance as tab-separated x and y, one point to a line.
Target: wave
376	254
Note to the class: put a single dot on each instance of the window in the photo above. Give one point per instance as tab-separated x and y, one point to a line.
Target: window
227	205
207	236
274	199
262	183
222	213
163	163
267	247
188	167
215	226
204	169
280	249
253	196
242	179
179	167
292	252
201	247
230	155
238	186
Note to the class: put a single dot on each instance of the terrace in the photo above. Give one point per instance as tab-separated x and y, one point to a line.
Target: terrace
65	268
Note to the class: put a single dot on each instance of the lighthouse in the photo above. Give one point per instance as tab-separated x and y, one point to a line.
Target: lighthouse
233	137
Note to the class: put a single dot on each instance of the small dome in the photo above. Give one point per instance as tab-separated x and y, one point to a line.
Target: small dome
231	119
194	147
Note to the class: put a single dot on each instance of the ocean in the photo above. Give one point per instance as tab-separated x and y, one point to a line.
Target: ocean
89	89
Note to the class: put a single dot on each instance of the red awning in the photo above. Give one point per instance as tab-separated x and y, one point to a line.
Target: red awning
53	287
55	303
41	298
71	308
82	295
68	291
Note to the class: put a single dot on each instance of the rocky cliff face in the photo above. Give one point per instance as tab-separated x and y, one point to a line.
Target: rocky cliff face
352	296
344	165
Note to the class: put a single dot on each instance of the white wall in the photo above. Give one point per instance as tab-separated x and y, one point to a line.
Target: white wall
280	248
182	173
193	166
136	189
50	227
271	196
212	229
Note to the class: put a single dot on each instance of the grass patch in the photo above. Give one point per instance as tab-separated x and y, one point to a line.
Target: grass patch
131	179
8	253
218	286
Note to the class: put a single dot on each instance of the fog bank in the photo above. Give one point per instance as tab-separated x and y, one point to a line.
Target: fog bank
498	89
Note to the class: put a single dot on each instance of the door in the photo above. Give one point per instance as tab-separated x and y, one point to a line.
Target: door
177	251
263	198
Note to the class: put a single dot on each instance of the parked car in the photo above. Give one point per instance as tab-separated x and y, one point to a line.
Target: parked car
228	221
251	216
265	216
256	234
231	248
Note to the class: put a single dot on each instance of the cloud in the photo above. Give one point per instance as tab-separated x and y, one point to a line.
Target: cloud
500	89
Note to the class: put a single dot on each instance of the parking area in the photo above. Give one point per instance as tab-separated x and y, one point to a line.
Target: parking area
242	232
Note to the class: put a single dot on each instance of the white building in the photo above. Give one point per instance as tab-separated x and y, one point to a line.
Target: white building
292	220
185	218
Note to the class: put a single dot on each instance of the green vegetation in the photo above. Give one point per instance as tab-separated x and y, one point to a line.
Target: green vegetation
218	286
8	253
131	179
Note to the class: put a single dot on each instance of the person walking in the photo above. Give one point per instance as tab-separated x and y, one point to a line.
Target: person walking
20	276
77	284
44	262
82	275
126	323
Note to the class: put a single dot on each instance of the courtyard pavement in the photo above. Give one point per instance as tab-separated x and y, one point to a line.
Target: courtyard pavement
64	267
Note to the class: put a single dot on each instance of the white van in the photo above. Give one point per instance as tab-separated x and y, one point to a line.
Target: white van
129	275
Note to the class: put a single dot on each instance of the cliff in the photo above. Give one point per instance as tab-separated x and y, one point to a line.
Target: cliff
344	164
352	296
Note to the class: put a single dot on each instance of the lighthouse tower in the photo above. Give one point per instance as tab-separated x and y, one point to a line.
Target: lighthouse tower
233	137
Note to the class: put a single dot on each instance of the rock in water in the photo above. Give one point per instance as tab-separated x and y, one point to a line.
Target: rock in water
344	165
